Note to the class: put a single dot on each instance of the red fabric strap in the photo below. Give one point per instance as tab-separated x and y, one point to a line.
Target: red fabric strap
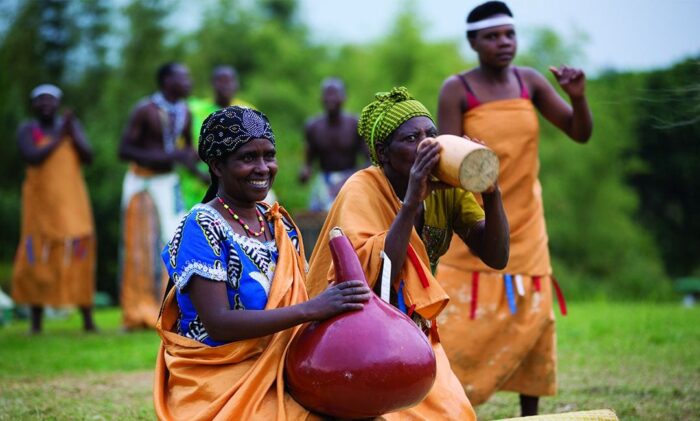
475	295
413	257
434	331
523	89
37	135
536	283
411	309
560	296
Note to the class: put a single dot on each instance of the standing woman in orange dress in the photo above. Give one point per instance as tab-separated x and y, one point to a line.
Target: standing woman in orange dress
500	332
55	262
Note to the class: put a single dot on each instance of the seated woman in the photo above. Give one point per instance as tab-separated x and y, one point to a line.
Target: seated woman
396	208
237	268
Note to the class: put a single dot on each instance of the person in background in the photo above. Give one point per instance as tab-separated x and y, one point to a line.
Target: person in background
157	138
225	84
55	260
500	332
394	208
237	293
333	141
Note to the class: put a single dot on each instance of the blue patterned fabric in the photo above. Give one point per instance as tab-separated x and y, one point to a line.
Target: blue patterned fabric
204	244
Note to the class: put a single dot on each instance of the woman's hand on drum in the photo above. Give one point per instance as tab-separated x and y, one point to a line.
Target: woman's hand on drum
338	298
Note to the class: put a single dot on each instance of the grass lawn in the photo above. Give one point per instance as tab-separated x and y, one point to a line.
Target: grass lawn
642	360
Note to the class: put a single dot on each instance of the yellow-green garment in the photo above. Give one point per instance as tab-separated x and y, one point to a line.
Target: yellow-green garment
365	209
192	188
447	211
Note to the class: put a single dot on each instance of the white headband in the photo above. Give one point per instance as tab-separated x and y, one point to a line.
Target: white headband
48	89
490	23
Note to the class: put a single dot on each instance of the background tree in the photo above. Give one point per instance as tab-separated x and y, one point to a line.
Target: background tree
606	233
123	85
668	133
33	50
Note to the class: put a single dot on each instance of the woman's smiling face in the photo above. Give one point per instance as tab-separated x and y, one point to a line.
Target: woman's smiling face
247	174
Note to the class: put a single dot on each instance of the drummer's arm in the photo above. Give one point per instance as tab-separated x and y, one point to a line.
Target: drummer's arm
225	324
451	107
576	119
490	238
419	187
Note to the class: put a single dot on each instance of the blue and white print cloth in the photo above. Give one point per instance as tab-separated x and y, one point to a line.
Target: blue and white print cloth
205	245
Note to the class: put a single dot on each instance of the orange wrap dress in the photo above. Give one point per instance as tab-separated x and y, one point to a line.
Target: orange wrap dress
494	344
151	210
364	209
242	380
55	260
143	277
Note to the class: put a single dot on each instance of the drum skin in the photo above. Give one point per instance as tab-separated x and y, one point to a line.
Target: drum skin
465	163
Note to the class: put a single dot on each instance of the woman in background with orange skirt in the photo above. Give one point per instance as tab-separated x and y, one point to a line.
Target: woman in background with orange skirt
499	330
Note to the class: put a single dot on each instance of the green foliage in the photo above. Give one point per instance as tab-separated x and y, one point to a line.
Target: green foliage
143	53
282	11
597	243
278	74
589	207
34	46
547	48
668	129
625	357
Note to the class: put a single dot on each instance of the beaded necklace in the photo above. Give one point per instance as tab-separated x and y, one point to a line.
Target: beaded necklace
237	218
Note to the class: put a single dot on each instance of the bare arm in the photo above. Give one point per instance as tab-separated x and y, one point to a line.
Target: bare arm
226	325
187	130
397	239
451	107
32	154
79	140
131	149
575	120
191	158
490	239
419	186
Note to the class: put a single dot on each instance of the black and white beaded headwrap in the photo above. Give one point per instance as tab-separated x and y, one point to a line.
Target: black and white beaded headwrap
226	130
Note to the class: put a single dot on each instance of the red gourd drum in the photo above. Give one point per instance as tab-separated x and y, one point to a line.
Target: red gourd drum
359	364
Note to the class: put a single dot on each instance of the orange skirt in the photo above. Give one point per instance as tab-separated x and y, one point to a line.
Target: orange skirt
53	272
143	277
490	347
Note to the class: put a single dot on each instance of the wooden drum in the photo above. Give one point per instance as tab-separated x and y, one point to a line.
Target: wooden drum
466	164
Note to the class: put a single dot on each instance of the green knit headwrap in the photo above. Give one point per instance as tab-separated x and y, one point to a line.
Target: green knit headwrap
381	117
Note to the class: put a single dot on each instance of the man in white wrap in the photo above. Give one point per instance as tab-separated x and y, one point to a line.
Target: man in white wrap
157	137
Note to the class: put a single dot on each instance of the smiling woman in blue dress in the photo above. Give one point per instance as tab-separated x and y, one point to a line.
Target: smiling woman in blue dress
237	266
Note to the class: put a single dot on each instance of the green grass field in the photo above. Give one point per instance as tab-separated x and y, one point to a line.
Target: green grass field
640	359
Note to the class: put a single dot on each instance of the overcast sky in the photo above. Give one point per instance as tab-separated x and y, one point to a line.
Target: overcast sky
623	34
